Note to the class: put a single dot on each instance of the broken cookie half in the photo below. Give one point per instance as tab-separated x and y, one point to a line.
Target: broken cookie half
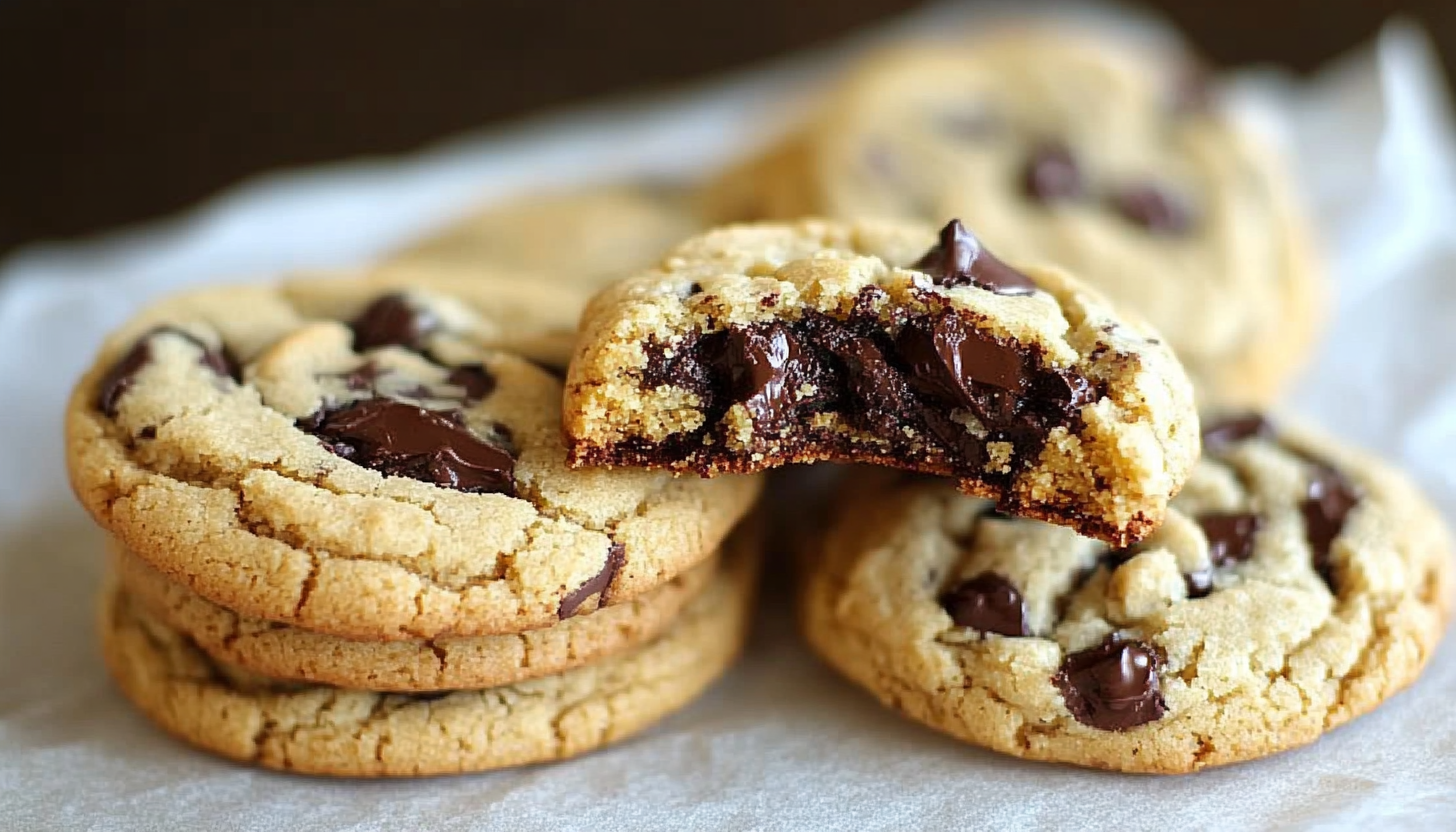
755	346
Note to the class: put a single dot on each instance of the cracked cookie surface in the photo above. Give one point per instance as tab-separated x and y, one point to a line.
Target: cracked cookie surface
1106	158
376	458
344	732
282	652
1295	585
581	238
759	345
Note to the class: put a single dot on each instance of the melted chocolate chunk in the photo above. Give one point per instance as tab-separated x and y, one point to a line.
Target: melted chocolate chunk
989	603
762	368
392	321
1328	502
915	386
1199	582
400	439
600	582
1112	687
476	380
1230	536
1052	174
122	375
959	259
1225	433
1154	209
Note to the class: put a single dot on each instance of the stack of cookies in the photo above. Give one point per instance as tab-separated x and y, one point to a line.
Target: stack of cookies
451	515
345	541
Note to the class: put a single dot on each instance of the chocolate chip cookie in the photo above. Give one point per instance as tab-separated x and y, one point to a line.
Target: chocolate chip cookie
373	458
281	652
759	345
1296	585
320	729
1101	157
585	238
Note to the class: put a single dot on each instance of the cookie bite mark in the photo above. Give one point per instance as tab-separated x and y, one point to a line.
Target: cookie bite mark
1114	686
122	375
935	393
597	585
400	439
393	320
958	366
989	603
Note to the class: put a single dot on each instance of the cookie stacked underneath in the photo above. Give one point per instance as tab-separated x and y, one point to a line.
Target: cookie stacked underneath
345	541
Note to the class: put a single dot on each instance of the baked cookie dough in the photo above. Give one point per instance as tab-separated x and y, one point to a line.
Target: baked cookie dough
282	652
1108	159
759	345
319	729
1296	585
373	458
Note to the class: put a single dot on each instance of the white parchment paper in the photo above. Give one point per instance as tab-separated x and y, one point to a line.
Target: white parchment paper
781	743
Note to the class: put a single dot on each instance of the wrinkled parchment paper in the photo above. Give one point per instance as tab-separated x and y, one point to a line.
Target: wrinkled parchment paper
781	743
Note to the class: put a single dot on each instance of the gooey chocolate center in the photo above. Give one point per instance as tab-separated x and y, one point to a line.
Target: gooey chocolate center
935	385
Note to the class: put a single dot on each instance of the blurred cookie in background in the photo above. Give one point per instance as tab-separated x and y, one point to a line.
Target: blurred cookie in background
1110	159
582	238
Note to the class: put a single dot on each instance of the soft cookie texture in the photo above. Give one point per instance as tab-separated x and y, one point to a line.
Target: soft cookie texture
1106	158
344	732
376	458
582	238
758	345
1296	585
279	651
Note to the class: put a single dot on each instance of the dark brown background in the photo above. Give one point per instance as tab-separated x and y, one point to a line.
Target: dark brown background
120	111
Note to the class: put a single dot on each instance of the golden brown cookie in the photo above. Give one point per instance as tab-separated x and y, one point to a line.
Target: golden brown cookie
372	458
282	652
1296	585
1105	158
759	345
319	729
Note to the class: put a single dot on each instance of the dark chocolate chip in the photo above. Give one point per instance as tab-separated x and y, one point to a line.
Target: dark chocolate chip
1225	433
959	259
1112	687
1230	536
403	440
122	375
392	321
600	582
761	364
1153	208
477	381
989	603
1328	502
695	289
1199	582
148	432
947	355
1052	174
